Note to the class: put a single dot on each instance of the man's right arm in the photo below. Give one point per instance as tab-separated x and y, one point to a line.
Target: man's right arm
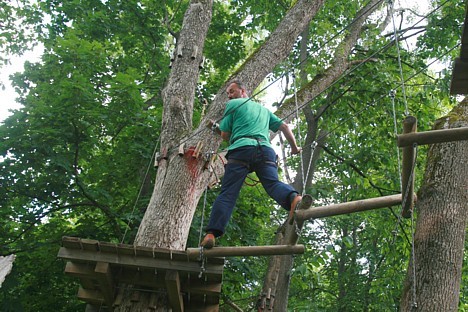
226	135
284	128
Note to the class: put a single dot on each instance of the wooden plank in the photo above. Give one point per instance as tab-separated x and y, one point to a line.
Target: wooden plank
433	136
108	247
105	280
407	169
203	308
173	291
241	251
79	269
198	286
71	242
93	297
131	261
115	248
145	278
90	244
349	207
84	271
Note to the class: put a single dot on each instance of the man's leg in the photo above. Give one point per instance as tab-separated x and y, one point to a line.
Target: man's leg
234	176
267	171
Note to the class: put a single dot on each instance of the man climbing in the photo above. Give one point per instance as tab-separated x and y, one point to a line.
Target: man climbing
245	125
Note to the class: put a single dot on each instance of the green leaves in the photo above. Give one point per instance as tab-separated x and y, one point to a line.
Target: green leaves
77	158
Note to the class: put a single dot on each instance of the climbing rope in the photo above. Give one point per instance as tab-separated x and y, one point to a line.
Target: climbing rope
397	43
203	216
299	135
413	254
405	193
392	94
139	192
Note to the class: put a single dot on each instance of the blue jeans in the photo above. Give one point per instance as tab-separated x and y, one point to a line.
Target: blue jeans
241	161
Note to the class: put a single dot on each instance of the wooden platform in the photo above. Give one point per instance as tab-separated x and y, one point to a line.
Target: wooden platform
102	267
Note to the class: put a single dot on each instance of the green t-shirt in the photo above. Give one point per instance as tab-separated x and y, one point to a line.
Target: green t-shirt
245	120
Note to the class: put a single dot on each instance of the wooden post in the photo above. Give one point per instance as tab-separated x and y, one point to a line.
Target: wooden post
194	253
105	280
197	151
194	52
407	170
181	150
173	291
434	136
349	207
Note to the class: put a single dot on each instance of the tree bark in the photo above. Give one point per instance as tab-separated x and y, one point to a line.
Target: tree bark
178	185
434	284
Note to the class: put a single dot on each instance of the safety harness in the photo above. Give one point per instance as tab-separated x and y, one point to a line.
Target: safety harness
245	163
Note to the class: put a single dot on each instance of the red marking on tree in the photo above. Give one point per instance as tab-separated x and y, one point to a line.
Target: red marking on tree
192	163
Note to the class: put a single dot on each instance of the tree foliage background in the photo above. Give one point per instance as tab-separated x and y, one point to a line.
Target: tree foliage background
77	158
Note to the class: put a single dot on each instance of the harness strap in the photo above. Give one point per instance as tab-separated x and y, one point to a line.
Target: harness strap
246	164
249	137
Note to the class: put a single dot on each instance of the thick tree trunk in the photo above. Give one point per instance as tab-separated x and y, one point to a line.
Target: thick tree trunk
178	183
434	284
176	193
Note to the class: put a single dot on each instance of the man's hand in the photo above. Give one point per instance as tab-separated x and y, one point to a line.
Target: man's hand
296	150
214	126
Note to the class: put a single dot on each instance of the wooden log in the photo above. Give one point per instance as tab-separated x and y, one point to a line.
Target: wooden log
349	207
194	253
407	168
433	136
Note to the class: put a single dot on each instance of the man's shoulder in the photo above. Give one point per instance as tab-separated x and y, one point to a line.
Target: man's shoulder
239	101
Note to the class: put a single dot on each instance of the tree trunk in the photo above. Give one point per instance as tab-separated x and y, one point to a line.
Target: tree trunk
178	186
175	195
434	283
181	180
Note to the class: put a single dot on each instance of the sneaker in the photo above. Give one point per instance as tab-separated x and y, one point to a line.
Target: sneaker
208	242
294	204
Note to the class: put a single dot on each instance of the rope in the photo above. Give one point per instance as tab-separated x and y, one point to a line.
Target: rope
203	216
312	151
299	134
139	192
405	193
399	62
392	96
